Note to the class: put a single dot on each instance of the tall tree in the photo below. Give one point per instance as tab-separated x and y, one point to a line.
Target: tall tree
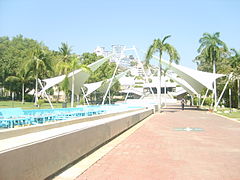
65	52
63	67
235	65
160	46
38	64
211	47
13	53
22	76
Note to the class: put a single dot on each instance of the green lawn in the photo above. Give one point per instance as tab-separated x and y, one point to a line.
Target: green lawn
235	114
28	105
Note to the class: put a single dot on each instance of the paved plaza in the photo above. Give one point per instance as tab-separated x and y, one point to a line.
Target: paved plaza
187	145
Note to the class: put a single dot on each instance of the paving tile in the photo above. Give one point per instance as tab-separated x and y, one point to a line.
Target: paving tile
157	151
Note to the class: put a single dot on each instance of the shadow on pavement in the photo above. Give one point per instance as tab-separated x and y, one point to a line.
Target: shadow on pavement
176	108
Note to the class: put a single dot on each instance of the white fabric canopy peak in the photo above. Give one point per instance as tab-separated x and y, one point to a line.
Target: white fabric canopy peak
103	85
91	87
79	76
198	80
183	84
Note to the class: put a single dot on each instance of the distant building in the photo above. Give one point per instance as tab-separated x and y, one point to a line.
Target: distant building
118	50
100	51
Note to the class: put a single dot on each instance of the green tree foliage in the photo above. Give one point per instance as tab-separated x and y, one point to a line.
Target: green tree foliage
63	67
23	76
160	46
39	65
211	50
104	72
14	54
214	56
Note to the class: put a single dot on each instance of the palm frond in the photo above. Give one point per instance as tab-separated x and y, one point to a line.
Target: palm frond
12	79
166	37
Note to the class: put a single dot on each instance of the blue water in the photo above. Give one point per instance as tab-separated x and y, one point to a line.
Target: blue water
15	117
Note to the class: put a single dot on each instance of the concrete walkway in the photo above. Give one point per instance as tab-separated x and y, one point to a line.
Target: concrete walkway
167	147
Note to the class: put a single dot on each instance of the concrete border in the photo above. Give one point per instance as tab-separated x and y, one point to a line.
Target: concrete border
8	133
81	166
41	159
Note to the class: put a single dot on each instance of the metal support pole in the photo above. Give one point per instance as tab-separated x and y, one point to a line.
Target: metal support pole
127	94
84	96
46	94
204	97
229	78
109	86
199	99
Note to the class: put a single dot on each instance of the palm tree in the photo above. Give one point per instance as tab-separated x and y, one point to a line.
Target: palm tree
65	51
165	87
22	76
63	66
235	65
212	48
38	64
160	46
74	65
235	61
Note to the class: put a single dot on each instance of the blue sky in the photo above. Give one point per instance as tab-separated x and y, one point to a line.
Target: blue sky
85	24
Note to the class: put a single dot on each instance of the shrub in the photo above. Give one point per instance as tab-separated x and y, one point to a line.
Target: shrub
29	98
208	101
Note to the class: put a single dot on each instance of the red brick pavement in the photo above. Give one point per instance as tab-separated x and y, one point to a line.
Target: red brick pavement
156	151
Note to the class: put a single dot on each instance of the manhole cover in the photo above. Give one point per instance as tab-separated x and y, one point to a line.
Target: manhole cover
188	129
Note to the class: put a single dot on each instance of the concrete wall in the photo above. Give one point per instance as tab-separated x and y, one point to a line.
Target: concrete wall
8	133
41	159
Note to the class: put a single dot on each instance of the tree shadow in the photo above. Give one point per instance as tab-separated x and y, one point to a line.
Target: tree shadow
176	108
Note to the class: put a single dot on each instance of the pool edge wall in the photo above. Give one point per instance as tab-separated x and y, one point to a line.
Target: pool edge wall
13	132
42	159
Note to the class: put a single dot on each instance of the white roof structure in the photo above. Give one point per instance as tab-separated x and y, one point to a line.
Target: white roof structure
91	87
80	77
103	85
183	84
196	79
132	90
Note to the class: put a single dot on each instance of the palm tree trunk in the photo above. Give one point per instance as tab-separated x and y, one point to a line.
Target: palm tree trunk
160	75
36	90
72	97
23	93
215	85
165	92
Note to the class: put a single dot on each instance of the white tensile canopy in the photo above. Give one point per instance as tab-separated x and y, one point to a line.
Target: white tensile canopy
79	77
91	87
103	85
198	80
182	83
